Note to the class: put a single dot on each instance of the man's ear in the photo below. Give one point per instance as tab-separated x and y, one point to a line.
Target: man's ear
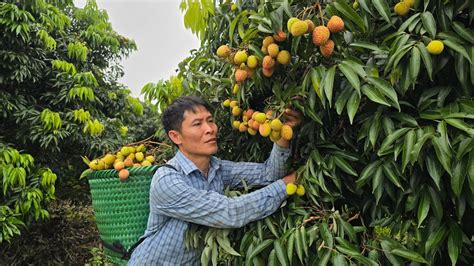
175	137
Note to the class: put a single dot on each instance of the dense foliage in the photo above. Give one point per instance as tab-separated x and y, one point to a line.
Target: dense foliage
386	152
59	100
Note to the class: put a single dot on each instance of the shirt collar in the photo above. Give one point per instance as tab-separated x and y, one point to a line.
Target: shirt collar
188	166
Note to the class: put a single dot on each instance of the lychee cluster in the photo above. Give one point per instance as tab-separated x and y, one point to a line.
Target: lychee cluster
292	188
402	8
273	54
128	156
244	63
254	122
321	35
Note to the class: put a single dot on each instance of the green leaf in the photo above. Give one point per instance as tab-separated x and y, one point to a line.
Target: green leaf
423	208
344	166
458	48
280	253
367	173
425	56
342	100
387	143
351	77
260	247
299	245
392	176
383	9
329	82
429	23
458	177
408	254
454	243
435	171
470	171
349	13
225	244
410	139
458	123
465	33
435	238
326	235
386	89
374	94
414	64
353	106
338	259
367	45
436	204
317	74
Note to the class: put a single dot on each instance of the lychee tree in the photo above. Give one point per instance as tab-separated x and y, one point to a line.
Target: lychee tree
59	99
386	149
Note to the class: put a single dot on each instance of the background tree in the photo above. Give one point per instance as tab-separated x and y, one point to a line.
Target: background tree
386	151
59	100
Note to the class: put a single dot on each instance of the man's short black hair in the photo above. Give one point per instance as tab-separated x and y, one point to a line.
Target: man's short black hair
173	115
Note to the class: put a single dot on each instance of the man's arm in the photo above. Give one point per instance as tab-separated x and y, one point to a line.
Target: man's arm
256	174
176	199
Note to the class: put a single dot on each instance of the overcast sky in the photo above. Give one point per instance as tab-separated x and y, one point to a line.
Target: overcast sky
158	29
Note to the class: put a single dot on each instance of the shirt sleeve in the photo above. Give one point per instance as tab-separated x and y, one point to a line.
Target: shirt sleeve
256	174
177	199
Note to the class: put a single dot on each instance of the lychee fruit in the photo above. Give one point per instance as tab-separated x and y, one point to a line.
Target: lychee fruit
320	35
335	24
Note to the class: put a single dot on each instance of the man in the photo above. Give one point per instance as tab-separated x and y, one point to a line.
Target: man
193	191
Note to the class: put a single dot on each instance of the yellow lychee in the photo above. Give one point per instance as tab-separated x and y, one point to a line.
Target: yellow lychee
291	189
283	57
223	51
252	131
94	164
286	132
139	156
310	25
226	103
236	89
236	111
240	57
335	24
276	124
435	47
320	35
109	159
290	23
252	61
267	41
402	8
236	123
299	28
260	117
300	190
150	158
232	104
145	163
273	50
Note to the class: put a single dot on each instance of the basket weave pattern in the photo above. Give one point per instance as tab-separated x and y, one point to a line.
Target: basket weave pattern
121	208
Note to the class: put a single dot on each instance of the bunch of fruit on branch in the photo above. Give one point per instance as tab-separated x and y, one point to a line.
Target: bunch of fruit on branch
137	154
253	122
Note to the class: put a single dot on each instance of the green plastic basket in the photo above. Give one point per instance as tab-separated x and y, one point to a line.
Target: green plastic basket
121	207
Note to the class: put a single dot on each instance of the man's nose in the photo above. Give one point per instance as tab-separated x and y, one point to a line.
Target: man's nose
209	127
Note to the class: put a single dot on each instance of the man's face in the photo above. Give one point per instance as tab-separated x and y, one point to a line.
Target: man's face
198	136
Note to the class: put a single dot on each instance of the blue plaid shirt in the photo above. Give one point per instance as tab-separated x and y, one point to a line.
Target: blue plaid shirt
180	197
